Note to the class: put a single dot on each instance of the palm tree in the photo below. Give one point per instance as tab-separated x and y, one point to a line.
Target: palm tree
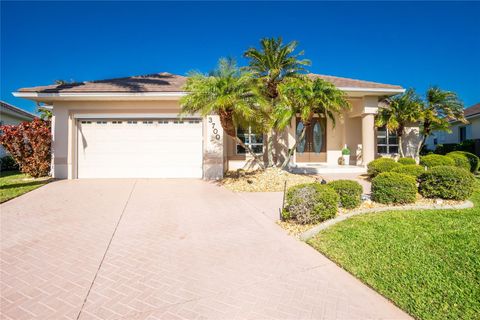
396	112
273	63
439	108
307	97
228	92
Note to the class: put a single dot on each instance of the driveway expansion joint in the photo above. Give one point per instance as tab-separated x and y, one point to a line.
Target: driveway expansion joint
106	250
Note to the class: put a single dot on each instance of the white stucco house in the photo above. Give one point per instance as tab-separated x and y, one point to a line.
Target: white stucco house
130	127
11	115
459	131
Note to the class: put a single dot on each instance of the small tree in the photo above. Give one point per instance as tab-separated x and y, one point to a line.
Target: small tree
228	92
396	112
307	97
439	108
45	114
29	143
272	63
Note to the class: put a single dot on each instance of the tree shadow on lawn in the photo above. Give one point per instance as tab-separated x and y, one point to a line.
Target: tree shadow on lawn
24	184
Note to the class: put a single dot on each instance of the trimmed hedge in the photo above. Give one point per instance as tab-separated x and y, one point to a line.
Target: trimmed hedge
407	161
461	161
472	159
392	187
434	160
413	170
447	182
349	191
381	165
311	203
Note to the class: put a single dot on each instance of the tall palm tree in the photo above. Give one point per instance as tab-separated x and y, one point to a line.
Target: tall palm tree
396	112
273	62
228	92
439	108
308	97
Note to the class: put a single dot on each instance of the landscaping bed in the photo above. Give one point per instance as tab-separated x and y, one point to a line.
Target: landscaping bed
269	180
14	184
426	262
295	229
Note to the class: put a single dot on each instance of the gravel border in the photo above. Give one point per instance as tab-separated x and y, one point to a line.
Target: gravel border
324	225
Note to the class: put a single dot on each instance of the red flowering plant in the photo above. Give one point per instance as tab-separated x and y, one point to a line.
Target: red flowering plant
29	143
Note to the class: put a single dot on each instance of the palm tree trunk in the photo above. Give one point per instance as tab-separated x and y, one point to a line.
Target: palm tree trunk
256	157
226	120
400	146
419	147
270	138
292	150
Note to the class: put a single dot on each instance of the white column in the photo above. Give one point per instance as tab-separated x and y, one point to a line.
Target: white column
370	108
368	138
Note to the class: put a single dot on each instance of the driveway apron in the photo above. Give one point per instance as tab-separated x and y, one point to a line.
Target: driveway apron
165	249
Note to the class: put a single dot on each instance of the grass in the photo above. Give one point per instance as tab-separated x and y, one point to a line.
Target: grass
14	184
426	262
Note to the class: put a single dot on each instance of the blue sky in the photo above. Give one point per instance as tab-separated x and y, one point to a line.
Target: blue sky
408	43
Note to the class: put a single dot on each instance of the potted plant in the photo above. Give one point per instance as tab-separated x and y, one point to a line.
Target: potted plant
346	155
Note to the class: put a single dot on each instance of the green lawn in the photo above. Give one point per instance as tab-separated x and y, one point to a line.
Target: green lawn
427	262
14	184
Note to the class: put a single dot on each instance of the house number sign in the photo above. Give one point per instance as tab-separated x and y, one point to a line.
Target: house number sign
216	135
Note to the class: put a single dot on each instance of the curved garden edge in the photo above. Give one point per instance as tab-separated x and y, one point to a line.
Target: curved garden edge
326	224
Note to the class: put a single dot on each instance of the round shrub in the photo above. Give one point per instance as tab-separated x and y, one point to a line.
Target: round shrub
406	161
311	203
461	161
434	160
349	191
413	170
392	187
381	165
447	182
472	159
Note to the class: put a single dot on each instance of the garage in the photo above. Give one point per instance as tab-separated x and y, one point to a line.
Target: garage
139	148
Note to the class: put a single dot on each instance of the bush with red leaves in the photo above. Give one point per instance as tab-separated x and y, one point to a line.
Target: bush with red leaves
29	143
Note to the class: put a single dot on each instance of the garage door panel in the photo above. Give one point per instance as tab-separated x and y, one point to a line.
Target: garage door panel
144	150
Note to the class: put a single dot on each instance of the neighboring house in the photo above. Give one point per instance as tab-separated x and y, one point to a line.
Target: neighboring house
129	127
460	131
12	115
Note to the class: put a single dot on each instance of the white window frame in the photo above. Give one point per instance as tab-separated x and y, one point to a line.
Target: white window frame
387	136
248	139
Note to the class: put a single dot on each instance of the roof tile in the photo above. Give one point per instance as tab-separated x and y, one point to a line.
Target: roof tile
166	82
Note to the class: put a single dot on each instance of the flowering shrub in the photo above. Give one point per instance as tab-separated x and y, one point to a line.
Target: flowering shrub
310	203
29	143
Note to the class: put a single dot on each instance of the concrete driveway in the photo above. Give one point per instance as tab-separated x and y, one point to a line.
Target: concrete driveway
165	249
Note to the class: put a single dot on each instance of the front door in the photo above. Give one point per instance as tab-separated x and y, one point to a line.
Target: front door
313	146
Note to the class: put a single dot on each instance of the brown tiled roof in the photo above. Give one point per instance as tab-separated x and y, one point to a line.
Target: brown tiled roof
472	111
158	82
166	82
347	82
8	106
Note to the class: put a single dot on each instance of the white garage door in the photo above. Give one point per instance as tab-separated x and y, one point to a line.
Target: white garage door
133	148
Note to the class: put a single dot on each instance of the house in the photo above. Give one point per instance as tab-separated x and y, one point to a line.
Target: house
459	131
12	115
130	127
